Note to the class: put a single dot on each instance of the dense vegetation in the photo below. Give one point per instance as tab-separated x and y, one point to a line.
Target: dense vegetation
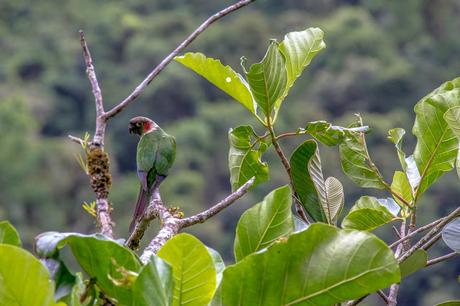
381	59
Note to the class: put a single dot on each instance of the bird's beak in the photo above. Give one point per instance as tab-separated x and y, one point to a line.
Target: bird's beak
130	129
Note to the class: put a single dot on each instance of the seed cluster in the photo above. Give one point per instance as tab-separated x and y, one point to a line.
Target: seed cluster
98	169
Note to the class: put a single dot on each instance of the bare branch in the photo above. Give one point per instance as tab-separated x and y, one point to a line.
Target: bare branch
141	87
432	233
383	296
417	231
98	161
394	289
172	225
205	215
90	71
441	258
76	139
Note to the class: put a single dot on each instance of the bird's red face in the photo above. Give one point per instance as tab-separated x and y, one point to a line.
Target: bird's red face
140	125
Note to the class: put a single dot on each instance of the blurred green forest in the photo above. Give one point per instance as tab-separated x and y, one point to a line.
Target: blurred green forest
381	58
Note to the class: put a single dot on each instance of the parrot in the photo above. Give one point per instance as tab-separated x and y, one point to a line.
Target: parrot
155	155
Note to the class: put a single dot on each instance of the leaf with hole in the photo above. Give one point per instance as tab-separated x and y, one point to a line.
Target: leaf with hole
244	159
320	266
223	77
193	269
264	223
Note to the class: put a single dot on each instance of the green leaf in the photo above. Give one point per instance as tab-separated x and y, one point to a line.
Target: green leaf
449	303
335	199
244	160
325	132
451	235
24	281
264	223
396	136
8	234
220	266
154	284
78	290
437	146
357	164
413	263
193	270
268	78
367	214
224	77
299	48
322	265
452	117
402	187
308	181
101	258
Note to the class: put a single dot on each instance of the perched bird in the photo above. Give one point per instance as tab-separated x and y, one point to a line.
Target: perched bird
155	155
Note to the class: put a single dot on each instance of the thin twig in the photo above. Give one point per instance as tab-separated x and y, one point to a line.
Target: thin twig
205	215
383	296
394	289
441	258
356	302
141	87
76	139
415	232
432	241
432	233
103	209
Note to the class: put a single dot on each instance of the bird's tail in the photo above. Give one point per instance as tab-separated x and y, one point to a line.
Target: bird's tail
141	204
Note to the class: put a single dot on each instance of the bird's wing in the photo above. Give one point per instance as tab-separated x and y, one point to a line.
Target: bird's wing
147	150
166	154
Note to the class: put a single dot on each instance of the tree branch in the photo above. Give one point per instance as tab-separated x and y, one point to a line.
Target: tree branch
417	231
141	87
172	225
205	215
394	289
441	258
432	233
97	159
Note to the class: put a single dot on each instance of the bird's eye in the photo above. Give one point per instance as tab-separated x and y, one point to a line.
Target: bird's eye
138	124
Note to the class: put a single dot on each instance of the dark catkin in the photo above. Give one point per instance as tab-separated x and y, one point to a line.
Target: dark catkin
98	169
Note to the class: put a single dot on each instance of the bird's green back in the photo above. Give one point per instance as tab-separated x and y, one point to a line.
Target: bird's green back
156	150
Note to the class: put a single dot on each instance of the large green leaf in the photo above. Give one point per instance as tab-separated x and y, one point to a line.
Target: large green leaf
264	223
154	284
224	77
8	234
322	265
308	180
437	146
449	303
357	164
24	281
193	270
299	48
413	263
367	214
244	159
101	258
268	78
220	266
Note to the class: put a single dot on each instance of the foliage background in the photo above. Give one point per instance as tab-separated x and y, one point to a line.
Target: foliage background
382	57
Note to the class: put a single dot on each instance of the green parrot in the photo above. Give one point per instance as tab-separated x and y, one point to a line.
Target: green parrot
156	152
